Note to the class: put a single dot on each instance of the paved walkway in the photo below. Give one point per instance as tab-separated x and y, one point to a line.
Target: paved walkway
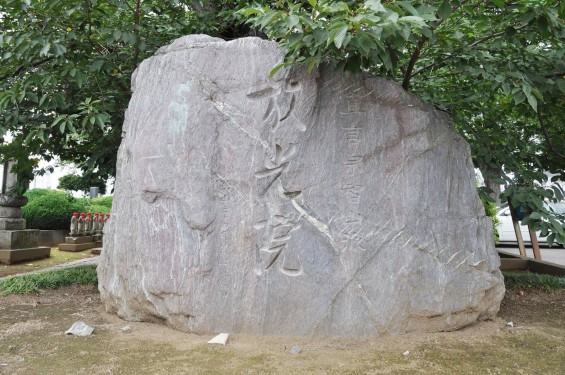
552	254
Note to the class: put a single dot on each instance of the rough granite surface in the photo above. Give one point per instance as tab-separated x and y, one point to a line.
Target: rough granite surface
313	205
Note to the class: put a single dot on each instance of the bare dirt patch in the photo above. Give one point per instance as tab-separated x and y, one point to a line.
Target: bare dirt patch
32	341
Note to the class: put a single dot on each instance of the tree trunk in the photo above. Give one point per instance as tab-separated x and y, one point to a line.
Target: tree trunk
490	174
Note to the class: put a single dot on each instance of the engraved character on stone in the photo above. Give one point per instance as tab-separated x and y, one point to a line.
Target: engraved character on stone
278	233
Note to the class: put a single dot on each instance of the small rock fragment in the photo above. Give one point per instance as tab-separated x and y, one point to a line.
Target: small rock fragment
80	329
126	329
221	339
510	324
406	353
295	350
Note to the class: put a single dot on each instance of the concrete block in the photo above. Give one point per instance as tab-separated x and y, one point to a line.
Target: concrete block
12	224
19	239
76	246
12	212
82	239
21	255
52	238
96	250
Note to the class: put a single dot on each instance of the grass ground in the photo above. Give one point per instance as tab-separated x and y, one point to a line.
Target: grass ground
57	257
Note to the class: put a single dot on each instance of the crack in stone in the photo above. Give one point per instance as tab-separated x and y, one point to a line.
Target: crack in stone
230	112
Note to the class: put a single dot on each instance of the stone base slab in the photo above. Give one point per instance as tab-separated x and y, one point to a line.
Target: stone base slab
52	238
8	256
12	224
19	239
76	246
76	240
11	212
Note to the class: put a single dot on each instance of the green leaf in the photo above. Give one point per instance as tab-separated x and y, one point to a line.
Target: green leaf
413	20
527	89
250	11
59	49
269	17
96	65
444	10
340	36
275	70
42	100
57	120
33	97
407	6
550	239
292	21
375	6
45	49
340	6
30	136
499	4
561	85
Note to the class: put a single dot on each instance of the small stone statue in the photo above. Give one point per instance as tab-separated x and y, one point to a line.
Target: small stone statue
81	224
74	225
95	224
88	224
105	219
101	224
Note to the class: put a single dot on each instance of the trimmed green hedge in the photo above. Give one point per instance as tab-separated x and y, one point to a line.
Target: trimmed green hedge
97	209
105	201
50	209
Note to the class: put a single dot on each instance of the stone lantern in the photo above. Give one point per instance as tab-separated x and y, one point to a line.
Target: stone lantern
17	244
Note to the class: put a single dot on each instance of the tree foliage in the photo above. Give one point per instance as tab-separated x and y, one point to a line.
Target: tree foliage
74	182
497	67
65	70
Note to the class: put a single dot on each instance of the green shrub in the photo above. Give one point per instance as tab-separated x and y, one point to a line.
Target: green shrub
38	193
51	211
490	210
48	280
97	209
100	204
105	201
523	281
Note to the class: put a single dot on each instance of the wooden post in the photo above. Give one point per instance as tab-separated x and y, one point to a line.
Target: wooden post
516	224
535	244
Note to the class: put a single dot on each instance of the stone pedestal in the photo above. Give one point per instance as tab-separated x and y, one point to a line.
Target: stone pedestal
96	251
18	244
79	243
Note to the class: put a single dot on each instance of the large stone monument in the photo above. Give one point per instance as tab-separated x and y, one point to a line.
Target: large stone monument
17	244
314	205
